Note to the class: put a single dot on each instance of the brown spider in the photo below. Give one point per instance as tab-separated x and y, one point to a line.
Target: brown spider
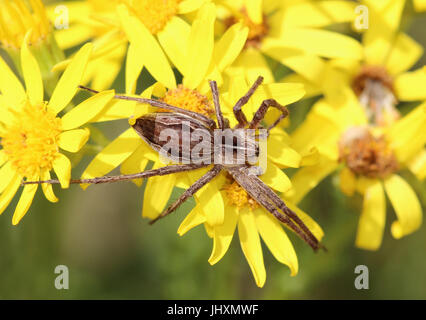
149	126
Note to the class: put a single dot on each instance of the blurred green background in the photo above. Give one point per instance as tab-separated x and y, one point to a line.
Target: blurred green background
112	253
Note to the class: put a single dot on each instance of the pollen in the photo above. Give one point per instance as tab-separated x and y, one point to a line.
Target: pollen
189	99
367	155
375	90
154	14
30	141
17	17
238	197
257	31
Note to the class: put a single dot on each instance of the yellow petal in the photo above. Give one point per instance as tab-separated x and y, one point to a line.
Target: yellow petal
417	165
277	240
275	178
3	158
157	193
209	200
384	17
347	181
10	191
87	110
116	109
308	178
24	203
223	235
113	154
406	205
405	52
10	87
6	175
250	244
186	6
411	86
420	5
254	10
137	162
280	153
284	93
253	64
227	49
47	187
68	83
134	66
193	219
200	46
62	167
174	40
31	72
73	140
323	43
372	220
319	13
153	59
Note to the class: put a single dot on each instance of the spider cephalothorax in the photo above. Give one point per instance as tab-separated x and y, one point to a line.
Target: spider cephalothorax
177	121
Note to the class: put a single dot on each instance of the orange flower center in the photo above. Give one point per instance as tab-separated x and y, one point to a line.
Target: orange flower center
366	155
374	88
237	196
154	14
30	142
189	99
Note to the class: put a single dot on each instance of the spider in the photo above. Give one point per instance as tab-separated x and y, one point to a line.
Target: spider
148	127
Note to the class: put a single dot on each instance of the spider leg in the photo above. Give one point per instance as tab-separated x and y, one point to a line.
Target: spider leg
219	115
260	113
160	104
239	115
145	174
257	192
277	201
190	192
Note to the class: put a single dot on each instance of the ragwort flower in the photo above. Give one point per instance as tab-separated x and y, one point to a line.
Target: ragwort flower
32	132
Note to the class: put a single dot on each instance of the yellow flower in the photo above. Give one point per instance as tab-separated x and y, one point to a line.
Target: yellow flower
240	209
203	60
419	5
289	32
369	158
32	133
152	31
380	79
17	17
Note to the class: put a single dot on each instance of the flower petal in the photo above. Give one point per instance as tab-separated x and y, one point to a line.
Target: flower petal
277	240
47	187
411	86
186	6
6	174
280	153
312	225
137	162
275	178
24	203
347	181
193	219
372	220
174	40
322	42
62	167
254	10
228	48
68	83
223	235
134	66
31	72
406	205
250	244
405	52
308	178
87	110
153	59
417	165
157	193
10	191
10	87
200	46
113	154
73	140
